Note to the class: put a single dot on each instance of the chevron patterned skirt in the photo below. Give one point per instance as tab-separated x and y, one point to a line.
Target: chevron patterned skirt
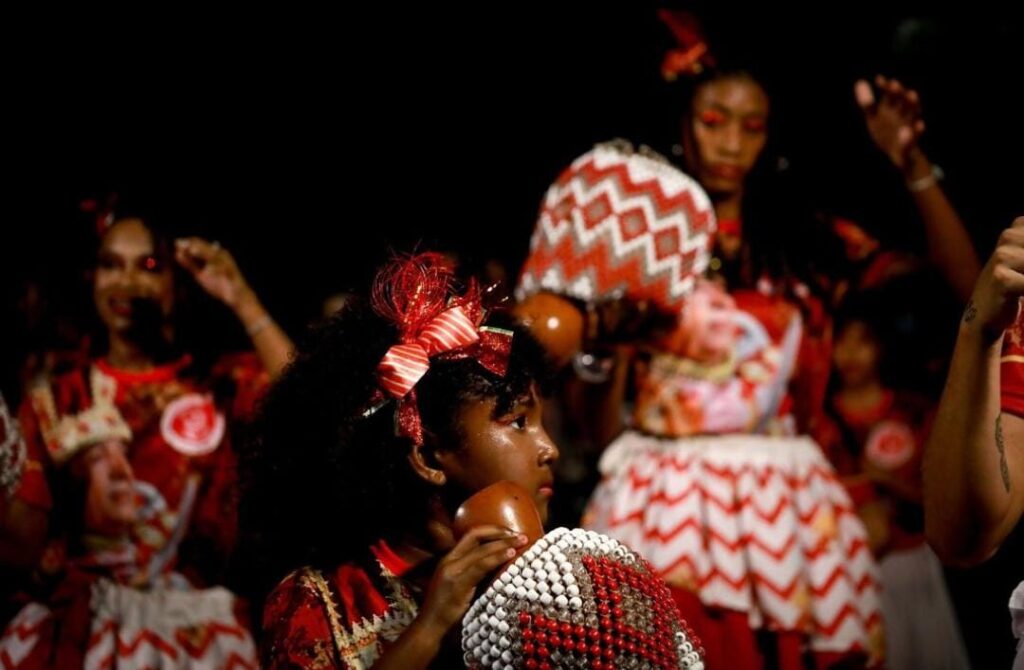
750	528
115	626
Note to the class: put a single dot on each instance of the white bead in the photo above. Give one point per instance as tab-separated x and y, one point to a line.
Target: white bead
565	568
542	587
502	627
506	577
557	588
493	622
500	600
527	573
569	579
536	564
532	596
575	603
512	570
500	613
542	575
510	590
493	638
504	643
530	585
546	599
573	590
517	581
485	647
506	656
562	602
520	592
490	608
550	567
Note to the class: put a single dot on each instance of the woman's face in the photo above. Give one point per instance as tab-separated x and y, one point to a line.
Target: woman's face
110	504
727	132
133	283
509	447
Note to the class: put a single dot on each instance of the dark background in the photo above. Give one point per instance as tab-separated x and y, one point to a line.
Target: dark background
312	145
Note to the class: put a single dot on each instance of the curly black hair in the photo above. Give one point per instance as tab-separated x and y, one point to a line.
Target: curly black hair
320	481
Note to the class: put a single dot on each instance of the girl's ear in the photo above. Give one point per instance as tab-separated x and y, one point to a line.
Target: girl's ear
424	462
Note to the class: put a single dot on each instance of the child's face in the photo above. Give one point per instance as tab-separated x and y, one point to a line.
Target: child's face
708	330
513	447
110	504
856	354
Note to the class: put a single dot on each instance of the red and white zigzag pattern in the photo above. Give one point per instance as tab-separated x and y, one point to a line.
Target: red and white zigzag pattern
153	632
213	645
620	222
22	635
750	523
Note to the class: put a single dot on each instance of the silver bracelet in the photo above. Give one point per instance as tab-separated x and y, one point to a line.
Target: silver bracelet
259	325
927	181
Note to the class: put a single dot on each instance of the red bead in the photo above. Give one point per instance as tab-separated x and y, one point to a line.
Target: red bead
594	634
620	627
554	640
544	666
601	593
531	664
528	634
553	626
616	597
581	646
631	647
524	618
580	631
609	654
568	644
566	628
606	639
603	609
606	624
528	648
539	621
617	612
542	638
543	653
596	665
595	650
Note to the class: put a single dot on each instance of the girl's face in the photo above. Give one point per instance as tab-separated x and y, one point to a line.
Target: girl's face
110	504
509	447
727	131
131	278
708	330
856	355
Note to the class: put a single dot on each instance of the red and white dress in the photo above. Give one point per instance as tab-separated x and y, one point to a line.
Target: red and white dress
1011	378
748	523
